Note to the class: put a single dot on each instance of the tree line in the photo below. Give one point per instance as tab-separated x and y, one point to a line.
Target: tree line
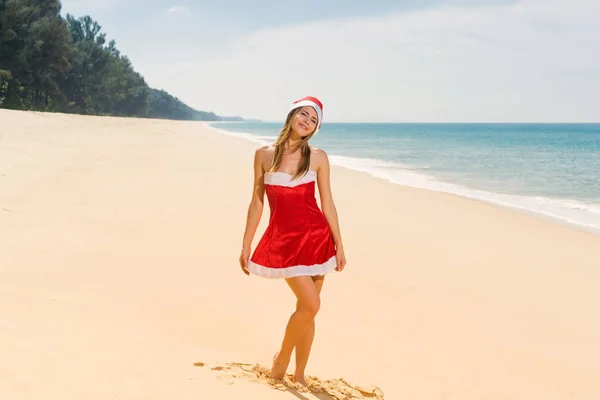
56	64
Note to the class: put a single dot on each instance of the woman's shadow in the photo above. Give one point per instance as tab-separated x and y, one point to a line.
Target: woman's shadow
313	396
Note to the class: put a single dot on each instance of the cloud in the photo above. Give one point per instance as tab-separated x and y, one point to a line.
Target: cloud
178	10
87	6
525	61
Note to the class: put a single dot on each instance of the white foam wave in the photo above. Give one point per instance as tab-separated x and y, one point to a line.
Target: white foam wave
261	139
569	211
360	164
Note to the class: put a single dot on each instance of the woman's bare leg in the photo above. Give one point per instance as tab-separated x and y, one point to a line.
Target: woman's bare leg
306	340
307	307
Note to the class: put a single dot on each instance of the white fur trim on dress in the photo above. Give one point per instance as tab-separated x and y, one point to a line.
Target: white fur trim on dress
296	270
285	179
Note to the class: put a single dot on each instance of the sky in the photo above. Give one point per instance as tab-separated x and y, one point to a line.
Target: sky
375	61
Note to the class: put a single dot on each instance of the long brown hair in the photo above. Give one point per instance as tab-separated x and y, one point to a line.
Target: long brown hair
284	135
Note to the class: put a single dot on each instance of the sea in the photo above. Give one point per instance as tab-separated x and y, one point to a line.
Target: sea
548	170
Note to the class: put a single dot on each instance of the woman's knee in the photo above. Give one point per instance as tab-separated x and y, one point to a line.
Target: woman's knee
308	294
310	306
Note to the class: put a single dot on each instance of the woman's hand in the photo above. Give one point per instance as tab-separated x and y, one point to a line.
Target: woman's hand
244	256
341	259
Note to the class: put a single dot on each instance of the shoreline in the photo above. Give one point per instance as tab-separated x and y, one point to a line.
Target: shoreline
453	189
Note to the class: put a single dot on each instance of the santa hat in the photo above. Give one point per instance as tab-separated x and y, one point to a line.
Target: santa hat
312	102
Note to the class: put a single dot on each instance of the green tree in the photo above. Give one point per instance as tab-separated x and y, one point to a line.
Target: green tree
14	33
50	47
52	63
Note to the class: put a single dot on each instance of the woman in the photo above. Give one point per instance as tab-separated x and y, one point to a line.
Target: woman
301	243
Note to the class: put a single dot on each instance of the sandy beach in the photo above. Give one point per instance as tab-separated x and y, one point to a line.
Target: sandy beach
119	278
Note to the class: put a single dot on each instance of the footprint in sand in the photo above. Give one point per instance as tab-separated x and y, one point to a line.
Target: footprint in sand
330	389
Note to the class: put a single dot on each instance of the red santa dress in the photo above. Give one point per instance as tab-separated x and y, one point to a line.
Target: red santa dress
298	239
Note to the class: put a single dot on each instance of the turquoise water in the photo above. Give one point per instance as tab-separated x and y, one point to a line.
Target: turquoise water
551	170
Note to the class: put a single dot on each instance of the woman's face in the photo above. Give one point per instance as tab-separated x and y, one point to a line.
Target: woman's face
305	121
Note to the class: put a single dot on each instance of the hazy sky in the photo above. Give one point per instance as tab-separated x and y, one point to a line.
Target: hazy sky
525	60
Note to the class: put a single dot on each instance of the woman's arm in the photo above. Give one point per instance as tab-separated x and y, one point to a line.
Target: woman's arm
327	204
255	208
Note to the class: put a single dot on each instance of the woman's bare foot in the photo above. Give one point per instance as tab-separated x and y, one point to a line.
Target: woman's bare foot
300	380
279	367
